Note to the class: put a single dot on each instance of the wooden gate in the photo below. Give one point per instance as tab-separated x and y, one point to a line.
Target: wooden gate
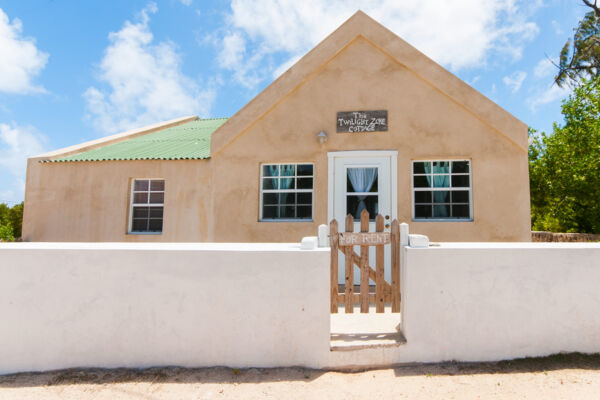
345	242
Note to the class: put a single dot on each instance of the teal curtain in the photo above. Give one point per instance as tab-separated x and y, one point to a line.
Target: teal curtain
441	181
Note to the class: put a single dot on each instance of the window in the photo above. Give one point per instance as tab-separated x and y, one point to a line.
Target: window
442	190
286	192
362	191
147	205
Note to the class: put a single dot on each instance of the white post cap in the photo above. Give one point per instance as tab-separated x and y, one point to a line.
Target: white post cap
309	243
418	241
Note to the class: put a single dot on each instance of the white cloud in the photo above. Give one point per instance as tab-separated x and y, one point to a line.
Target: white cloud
144	81
186	2
456	34
20	60
515	80
557	28
475	80
547	96
16	144
544	68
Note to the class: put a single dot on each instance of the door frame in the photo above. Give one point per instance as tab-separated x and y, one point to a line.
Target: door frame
332	155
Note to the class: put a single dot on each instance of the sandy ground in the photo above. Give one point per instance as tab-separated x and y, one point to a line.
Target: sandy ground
572	376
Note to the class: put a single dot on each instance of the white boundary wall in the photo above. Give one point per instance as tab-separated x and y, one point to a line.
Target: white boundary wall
493	301
477	302
137	305
265	305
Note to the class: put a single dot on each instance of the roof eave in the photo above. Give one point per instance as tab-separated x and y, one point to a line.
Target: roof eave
119	137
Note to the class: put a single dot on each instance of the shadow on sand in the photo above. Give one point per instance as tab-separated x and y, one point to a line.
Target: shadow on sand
99	376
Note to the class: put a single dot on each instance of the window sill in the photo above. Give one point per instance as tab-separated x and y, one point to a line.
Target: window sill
286	220
144	233
442	220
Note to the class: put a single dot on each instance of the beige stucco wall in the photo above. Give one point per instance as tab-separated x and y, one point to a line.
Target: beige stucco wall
218	200
423	124
89	201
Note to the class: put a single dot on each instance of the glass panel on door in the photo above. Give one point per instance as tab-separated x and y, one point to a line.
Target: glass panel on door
362	191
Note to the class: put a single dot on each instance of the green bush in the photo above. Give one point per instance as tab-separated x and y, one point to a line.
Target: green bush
564	167
11	221
6	233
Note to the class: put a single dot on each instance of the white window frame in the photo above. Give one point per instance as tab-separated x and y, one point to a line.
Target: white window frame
442	189
262	191
132	192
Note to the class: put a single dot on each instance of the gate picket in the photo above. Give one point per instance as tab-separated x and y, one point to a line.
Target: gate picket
349	282
379	265
364	264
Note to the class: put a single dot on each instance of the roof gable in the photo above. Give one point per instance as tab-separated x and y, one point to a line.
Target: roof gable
361	25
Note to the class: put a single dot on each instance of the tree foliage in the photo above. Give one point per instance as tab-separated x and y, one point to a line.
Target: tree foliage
580	56
11	221
564	166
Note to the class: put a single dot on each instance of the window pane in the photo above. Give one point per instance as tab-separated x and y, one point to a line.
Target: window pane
441	197
270	198
441	211
361	180
287	170
422	211
140	212
305	183
441	167
157	198
460	196
423	197
460	211
270	212
460	166
270	183
422	181
287	198
140	198
139	225
157	185
286	183
304	198
270	170
305	169
140	185
355	205
286	212
460	180
156	225
156	212
304	212
441	181
422	167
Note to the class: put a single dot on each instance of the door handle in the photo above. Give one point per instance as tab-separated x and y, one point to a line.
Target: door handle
387	226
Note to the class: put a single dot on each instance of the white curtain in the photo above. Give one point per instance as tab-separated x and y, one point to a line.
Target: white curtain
362	180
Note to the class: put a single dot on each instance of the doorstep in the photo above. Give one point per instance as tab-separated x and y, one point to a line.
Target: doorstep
363	331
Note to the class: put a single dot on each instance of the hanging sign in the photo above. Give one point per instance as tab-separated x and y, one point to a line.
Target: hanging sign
362	121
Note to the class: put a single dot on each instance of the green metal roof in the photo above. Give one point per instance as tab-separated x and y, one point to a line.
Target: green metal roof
182	142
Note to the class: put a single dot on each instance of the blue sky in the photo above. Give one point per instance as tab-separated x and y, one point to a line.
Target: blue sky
72	71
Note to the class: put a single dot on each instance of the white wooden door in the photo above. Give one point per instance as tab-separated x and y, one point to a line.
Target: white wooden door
363	180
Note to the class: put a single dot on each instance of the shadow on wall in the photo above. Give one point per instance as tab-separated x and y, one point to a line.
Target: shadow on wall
98	376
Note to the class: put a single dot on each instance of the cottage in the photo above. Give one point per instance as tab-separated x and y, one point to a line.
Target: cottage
363	121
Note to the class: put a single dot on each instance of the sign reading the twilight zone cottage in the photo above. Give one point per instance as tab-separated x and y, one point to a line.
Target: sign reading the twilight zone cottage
362	121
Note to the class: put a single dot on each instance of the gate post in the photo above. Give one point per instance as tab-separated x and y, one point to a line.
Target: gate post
333	241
